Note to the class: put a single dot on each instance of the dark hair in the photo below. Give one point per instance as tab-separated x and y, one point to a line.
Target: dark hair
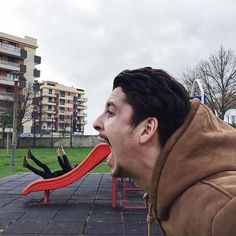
154	93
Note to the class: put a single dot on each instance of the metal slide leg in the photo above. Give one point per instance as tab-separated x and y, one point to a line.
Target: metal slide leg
46	196
114	186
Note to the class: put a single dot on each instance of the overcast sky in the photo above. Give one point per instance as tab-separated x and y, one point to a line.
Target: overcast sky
86	43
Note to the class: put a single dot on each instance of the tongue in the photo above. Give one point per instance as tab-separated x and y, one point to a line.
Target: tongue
110	160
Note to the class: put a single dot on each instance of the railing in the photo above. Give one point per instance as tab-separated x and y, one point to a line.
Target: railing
10	47
6	78
6	96
82	99
49	103
47	94
50	111
81	114
81	106
82	122
8	63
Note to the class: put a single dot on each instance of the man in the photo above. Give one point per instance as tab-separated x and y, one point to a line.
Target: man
46	173
182	156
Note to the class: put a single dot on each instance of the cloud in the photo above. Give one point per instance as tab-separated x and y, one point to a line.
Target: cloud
86	43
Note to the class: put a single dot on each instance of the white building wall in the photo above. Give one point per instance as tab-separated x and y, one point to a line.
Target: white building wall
230	116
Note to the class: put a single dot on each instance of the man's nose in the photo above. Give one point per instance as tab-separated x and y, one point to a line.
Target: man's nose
98	124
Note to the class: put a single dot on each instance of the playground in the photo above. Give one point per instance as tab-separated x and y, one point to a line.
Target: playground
76	203
81	208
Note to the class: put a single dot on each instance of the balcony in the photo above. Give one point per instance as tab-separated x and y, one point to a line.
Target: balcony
47	94
6	80
36	73
6	96
50	111
9	66
46	119
66	113
82	99
81	122
79	106
11	50
48	103
81	114
37	60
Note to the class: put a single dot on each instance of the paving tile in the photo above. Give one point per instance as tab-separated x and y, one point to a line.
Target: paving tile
59	234
72	214
106	217
64	227
8	218
97	234
7	198
20	234
135	218
38	216
25	227
100	228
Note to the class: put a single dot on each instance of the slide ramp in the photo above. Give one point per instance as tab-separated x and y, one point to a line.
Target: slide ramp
95	157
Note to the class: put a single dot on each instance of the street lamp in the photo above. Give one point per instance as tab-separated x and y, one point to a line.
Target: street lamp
71	129
52	133
14	125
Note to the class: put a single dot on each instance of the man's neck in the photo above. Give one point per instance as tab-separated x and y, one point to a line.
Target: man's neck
148	159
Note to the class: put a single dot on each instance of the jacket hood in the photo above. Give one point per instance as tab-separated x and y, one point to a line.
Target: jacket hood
202	146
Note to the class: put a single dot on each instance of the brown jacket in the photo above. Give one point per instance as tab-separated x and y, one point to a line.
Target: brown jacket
194	181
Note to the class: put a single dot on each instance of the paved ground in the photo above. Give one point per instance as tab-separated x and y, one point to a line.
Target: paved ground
82	208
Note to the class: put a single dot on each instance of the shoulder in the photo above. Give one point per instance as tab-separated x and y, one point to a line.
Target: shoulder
224	186
224	222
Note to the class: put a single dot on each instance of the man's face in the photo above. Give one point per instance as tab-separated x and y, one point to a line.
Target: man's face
114	126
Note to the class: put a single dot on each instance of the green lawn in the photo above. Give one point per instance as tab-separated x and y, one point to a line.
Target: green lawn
47	156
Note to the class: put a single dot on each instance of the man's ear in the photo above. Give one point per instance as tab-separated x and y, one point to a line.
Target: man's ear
148	129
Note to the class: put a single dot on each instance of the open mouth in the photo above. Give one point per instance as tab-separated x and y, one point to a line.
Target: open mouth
104	139
110	159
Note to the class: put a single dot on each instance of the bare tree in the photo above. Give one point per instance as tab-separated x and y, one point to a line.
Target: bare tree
6	113
66	125
218	75
26	105
5	122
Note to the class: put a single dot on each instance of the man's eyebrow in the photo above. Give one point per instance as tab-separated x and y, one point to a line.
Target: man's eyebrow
110	104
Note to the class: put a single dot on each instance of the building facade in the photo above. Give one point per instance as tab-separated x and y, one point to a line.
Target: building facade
62	109
17	59
230	116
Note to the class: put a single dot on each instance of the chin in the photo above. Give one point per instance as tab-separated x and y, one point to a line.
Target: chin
119	172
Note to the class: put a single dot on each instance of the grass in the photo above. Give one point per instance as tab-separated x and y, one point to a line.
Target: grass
47	156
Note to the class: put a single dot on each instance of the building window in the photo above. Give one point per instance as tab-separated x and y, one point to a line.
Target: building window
62	93
62	102
50	91
233	119
9	89
49	108
11	59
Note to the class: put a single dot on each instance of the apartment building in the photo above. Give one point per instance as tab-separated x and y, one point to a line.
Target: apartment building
62	109
230	116
17	57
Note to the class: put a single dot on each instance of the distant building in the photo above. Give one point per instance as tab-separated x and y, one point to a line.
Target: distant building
17	55
230	116
62	109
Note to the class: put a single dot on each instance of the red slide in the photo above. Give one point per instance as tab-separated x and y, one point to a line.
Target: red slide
96	156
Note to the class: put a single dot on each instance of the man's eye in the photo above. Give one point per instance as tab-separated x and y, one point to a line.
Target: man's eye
110	114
